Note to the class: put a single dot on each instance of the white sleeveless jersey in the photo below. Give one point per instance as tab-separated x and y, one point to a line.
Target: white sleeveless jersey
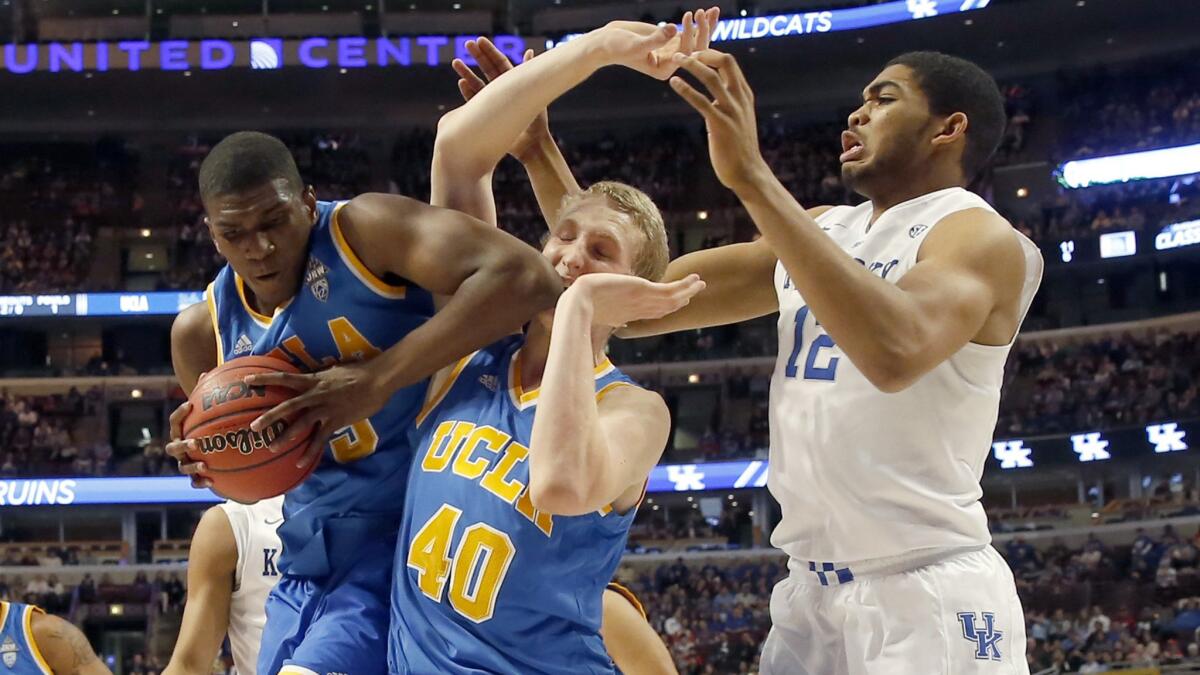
258	550
861	474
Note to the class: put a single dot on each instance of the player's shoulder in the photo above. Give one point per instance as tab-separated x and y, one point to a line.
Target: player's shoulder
194	323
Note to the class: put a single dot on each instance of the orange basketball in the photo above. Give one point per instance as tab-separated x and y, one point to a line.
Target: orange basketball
239	463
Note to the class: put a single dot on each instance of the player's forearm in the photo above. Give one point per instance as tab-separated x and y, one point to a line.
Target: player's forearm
875	323
738	287
490	303
567	452
550	176
467	194
478	135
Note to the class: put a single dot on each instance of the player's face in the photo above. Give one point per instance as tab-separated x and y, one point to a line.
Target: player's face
885	134
263	233
591	237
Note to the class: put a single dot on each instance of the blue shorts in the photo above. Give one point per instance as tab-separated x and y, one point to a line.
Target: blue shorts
332	625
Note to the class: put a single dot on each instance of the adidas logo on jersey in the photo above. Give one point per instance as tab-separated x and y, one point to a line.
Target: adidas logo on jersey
243	345
315	277
490	381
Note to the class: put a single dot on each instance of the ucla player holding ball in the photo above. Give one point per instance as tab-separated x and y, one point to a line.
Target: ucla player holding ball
343	290
533	453
896	317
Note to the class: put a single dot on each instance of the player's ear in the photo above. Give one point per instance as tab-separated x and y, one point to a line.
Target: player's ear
953	128
310	203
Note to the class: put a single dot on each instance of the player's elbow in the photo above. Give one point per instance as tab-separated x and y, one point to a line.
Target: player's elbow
529	278
455	152
892	369
559	497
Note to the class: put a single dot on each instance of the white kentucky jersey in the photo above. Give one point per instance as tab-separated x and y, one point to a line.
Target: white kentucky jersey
254	530
861	474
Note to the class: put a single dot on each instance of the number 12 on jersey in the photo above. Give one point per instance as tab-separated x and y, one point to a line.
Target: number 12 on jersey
811	370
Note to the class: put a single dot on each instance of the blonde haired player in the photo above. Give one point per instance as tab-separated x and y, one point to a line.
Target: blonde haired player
231	570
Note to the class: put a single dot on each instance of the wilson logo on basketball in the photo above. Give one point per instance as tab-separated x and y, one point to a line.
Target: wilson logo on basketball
231	392
244	441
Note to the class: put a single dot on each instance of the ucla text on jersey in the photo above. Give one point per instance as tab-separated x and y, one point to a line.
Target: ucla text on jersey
482	575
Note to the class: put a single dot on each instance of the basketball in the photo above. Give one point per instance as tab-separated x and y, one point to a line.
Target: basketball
240	465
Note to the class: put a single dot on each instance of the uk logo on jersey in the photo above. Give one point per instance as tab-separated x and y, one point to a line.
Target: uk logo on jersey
985	636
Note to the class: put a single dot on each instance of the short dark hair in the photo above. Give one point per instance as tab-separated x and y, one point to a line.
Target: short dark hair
955	85
246	160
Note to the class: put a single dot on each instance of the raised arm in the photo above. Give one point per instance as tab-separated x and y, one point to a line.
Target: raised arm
590	450
472	139
965	286
535	148
212	562
497	283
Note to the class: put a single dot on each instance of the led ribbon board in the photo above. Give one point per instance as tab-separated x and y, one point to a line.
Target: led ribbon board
264	53
158	303
1134	166
828	21
1086	447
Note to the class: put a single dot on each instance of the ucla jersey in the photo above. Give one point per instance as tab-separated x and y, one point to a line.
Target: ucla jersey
341	312
485	583
17	649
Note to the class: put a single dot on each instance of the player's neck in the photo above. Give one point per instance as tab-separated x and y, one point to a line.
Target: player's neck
886	198
536	350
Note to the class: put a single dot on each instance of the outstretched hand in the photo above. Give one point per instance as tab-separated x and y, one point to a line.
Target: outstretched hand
493	63
651	49
728	115
619	299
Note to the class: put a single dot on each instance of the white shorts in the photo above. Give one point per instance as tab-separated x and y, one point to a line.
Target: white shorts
957	616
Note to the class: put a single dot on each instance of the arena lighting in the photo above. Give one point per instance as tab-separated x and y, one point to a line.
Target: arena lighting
1178	235
263	53
1162	163
828	21
1118	244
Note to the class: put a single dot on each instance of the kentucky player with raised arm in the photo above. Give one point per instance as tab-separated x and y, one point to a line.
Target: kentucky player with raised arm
344	291
533	453
896	317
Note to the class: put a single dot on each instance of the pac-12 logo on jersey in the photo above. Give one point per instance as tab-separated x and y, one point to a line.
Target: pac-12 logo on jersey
315	278
986	637
8	652
269	568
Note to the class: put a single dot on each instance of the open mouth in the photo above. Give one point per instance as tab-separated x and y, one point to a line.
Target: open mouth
852	147
269	276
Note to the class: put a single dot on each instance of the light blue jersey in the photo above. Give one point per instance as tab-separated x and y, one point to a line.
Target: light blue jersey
485	583
340	524
18	651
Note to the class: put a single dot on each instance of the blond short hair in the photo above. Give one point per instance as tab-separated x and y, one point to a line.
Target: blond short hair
650	262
